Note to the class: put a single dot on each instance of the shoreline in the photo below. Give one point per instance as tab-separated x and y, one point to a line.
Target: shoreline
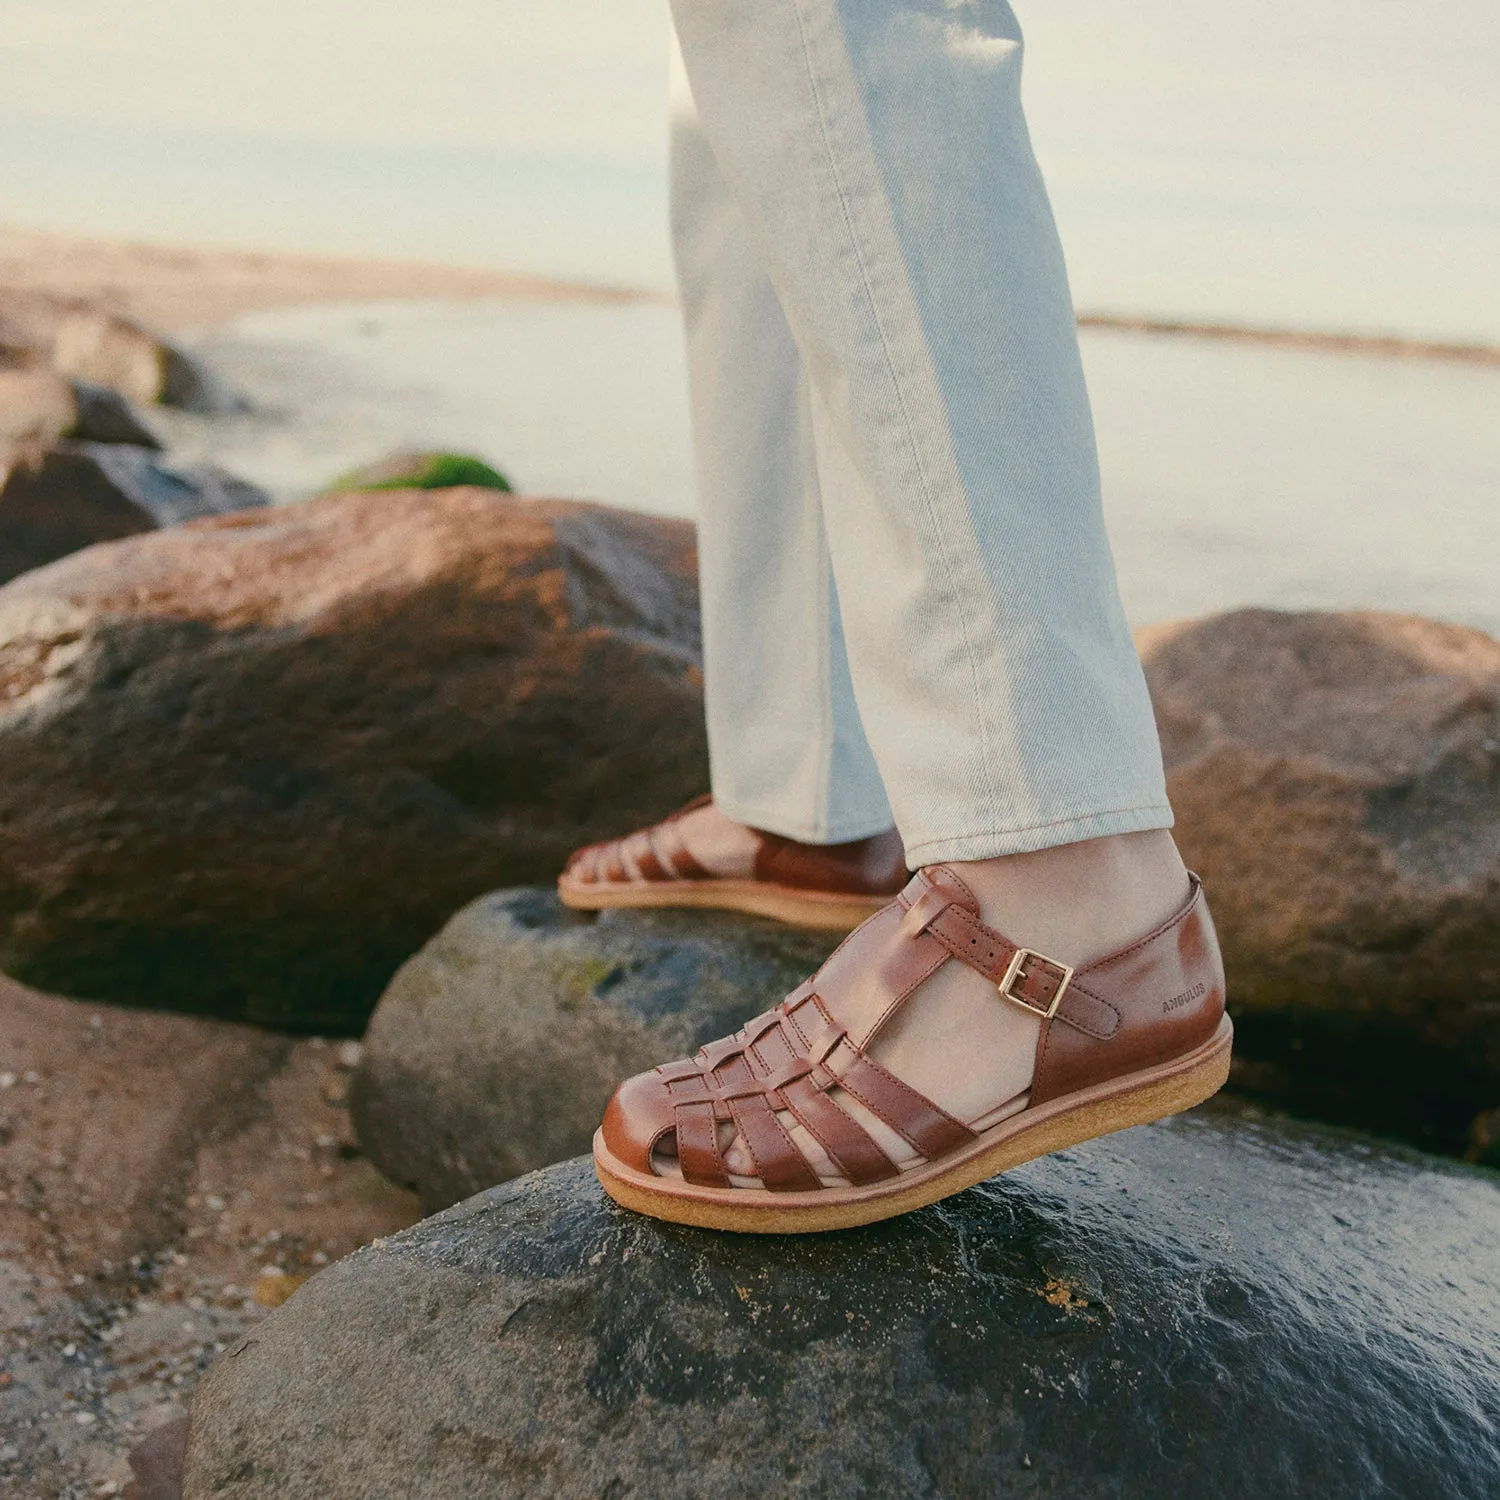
1322	340
175	288
178	287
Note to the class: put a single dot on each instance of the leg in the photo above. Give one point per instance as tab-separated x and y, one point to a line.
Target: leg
790	764
787	748
877	151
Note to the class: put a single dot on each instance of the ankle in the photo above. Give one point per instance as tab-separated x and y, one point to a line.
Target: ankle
722	846
1079	902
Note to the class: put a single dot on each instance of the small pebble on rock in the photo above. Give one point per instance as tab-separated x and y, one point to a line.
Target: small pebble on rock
274	1287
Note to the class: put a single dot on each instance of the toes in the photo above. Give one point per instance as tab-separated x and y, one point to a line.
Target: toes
738	1161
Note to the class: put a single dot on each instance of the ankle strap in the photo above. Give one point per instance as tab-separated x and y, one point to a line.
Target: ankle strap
1036	983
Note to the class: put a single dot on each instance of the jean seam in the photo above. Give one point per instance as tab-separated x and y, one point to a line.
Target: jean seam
824	793
839	833
914	447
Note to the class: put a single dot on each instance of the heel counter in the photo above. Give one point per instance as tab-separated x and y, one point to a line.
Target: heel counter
1204	959
1167	991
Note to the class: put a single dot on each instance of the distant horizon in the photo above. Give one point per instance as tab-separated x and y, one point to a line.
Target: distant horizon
508	282
1321	166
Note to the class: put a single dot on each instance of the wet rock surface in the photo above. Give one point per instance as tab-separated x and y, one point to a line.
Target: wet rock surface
58	499
496	1048
1336	779
169	492
164	1181
252	764
1203	1308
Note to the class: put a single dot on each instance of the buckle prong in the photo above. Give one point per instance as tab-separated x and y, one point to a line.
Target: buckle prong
1019	961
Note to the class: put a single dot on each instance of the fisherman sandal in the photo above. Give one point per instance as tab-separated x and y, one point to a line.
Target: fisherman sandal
833	886
1124	1040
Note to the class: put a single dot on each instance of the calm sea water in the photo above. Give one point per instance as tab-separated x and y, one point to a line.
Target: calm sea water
1322	163
1234	474
1314	163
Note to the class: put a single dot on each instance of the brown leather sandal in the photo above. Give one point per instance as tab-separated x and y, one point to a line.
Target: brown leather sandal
833	886
1125	1040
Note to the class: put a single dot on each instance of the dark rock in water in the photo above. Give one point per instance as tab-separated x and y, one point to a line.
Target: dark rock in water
422	471
55	500
173	493
252	764
1198	1310
1336	779
496	1048
39	406
105	416
106	349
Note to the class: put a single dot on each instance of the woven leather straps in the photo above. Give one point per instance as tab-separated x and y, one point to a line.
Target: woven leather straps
791	1059
788	1059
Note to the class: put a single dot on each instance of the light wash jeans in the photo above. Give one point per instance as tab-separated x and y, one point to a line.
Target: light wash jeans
910	607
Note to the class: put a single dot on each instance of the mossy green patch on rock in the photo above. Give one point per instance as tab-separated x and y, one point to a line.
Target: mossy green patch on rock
422	471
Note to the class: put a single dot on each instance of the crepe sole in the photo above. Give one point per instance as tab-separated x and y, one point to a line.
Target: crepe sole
1135	1099
824	910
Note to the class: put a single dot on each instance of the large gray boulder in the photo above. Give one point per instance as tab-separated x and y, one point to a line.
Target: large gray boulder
1205	1309
253	763
1336	779
496	1048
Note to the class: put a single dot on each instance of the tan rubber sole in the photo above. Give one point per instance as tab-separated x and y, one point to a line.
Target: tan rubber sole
1136	1099
782	903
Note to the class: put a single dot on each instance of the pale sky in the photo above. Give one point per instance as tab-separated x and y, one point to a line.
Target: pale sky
1282	74
529	74
1325	161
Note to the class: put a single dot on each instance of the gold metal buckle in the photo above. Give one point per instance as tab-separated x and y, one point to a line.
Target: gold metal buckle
1017	963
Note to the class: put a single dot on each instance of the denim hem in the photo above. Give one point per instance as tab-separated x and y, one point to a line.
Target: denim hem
819	831
995	842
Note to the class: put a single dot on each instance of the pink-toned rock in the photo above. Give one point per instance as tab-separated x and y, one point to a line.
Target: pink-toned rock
253	763
38	406
106	349
1336	779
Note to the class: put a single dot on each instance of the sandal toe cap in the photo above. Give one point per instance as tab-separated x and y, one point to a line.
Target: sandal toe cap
638	1115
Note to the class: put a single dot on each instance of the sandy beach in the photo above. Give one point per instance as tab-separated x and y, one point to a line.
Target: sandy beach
176	287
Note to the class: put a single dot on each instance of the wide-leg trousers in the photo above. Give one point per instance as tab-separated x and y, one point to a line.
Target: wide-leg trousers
910	607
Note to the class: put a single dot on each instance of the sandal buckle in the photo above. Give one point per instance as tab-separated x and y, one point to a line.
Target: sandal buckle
1027	958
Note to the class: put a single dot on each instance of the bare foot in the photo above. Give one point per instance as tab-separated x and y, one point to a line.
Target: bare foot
956	1040
722	846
